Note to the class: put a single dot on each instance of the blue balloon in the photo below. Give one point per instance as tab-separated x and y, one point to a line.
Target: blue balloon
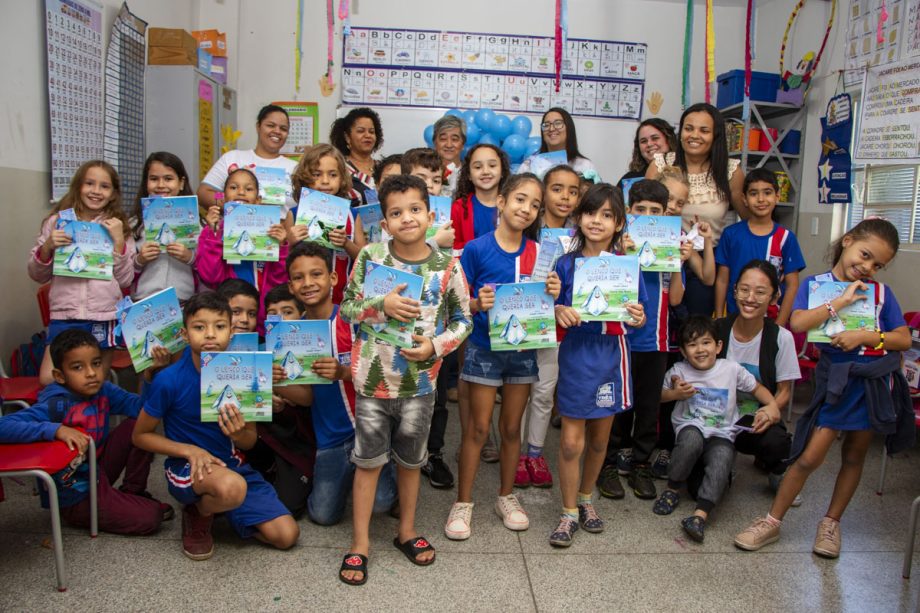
515	146
521	125
473	134
533	145
484	119
469	118
455	113
429	136
488	139
465	151
501	127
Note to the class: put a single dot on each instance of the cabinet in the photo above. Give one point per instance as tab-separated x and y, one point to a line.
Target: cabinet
784	119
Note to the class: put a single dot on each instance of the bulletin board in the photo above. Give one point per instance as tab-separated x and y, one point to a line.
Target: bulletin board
863	48
428	68
303	117
73	30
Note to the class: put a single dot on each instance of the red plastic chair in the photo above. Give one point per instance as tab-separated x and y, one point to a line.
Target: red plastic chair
41	460
18	391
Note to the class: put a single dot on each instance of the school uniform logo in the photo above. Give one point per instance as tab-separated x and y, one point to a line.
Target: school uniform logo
604	395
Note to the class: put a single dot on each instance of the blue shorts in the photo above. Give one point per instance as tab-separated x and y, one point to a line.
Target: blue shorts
487	367
260	505
594	380
103	331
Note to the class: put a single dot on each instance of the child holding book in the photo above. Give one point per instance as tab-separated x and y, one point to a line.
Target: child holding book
205	471
593	365
332	411
506	255
705	388
72	409
163	176
395	395
759	238
561	194
241	186
859	387
76	302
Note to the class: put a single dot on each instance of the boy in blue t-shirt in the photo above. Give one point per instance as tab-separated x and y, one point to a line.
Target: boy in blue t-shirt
312	277
758	238
204	468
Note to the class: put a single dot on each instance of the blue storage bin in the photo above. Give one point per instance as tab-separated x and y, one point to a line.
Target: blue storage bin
731	87
792	142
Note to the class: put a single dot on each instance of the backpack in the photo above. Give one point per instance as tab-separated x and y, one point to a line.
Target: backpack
27	358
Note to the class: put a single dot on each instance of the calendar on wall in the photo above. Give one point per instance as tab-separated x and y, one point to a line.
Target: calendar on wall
303	117
387	67
73	30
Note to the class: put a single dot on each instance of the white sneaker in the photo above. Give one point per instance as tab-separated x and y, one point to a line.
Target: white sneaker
458	523
511	512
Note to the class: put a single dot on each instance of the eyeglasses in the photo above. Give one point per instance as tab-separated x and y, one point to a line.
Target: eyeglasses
546	126
759	294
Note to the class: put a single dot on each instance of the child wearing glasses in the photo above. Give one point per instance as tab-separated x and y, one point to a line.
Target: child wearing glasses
759	238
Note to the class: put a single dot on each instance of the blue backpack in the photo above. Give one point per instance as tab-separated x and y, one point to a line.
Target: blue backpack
27	358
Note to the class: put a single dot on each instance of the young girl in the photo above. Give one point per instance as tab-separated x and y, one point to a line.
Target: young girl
560	199
503	256
593	365
322	168
859	387
164	175
88	304
482	176
241	186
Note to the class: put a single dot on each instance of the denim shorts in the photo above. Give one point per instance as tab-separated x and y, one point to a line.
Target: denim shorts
392	426
487	367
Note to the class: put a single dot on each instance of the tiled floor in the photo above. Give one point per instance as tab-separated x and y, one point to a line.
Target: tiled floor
641	562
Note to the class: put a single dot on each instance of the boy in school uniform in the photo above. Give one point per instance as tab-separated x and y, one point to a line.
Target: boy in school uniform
81	398
395	387
332	411
759	238
205	469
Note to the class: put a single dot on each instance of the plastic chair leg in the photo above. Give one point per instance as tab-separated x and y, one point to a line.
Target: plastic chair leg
909	550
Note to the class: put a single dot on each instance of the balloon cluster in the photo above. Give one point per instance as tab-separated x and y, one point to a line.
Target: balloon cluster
485	126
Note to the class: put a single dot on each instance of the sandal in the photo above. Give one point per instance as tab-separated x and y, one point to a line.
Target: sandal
666	503
413	547
354	562
695	527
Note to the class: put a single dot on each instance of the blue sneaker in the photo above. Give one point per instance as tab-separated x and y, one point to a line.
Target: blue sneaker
564	533
624	461
589	519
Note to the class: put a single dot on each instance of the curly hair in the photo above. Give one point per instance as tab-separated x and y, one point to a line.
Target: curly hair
309	162
343	125
638	163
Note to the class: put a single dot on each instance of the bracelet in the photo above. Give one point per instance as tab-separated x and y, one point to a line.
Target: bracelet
830	310
881	341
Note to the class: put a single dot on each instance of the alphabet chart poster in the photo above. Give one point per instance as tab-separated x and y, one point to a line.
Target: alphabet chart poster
386	67
74	44
863	47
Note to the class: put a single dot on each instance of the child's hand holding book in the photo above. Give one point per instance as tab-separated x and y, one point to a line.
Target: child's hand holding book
116	230
328	368
486	298
400	307
553	284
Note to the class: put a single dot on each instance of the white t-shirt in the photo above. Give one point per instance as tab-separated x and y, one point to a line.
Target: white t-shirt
748	355
246	158
714	408
579	165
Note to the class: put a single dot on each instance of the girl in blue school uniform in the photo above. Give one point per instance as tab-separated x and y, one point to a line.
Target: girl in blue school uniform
594	369
859	387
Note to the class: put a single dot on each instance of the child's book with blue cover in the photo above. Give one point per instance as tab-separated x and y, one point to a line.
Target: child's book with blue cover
322	213
246	232
604	285
371	215
440	206
244	341
152	322
627	185
241	379
540	163
89	256
523	317
379	280
295	345
171	220
858	316
657	242
274	184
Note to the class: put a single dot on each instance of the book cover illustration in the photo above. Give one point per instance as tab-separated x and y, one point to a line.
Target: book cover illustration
153	322
440	206
89	256
540	163
246	232
295	345
858	316
322	213
171	220
656	240
241	379
371	216
244	341
274	184
523	317
563	236
380	280
604	285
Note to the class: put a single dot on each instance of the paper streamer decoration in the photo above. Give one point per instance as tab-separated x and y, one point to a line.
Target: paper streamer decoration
882	18
688	48
710	50
330	41
344	18
562	35
806	78
748	56
298	41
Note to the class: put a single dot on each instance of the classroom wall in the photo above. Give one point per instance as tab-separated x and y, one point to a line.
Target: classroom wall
772	16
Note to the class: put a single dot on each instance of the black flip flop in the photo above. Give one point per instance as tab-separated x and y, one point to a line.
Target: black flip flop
413	547
354	562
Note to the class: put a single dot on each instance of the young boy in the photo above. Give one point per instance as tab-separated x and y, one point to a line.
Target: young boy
244	304
81	398
759	238
204	469
389	166
395	396
312	275
281	302
705	389
425	164
648	348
